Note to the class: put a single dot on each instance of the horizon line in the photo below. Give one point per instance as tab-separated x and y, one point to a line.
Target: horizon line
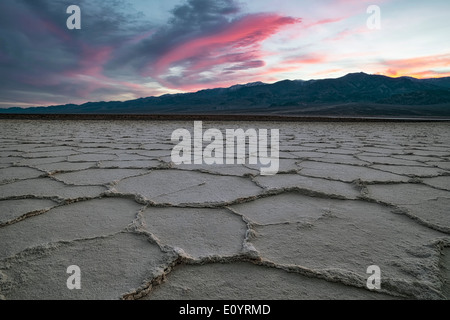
235	85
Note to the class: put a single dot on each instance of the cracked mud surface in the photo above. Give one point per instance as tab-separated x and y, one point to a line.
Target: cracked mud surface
104	195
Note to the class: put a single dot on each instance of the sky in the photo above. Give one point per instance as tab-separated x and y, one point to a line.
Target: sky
127	49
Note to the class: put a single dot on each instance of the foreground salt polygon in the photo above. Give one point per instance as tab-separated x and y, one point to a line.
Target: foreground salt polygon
105	196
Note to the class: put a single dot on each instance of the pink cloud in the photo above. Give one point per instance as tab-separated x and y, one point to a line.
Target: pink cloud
306	59
323	21
138	38
236	61
89	74
276	70
237	45
348	33
420	67
291	64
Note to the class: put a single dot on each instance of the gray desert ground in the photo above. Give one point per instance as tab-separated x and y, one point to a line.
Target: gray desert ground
106	197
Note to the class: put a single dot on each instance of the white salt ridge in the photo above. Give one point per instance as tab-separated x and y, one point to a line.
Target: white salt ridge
201	232
97	176
84	219
405	193
178	187
48	188
34	162
47	154
10	174
111	268
389	161
341	159
314	185
411	171
65	166
314	239
246	281
424	203
348	195
130	164
91	157
347	173
440	164
442	182
232	170
13	210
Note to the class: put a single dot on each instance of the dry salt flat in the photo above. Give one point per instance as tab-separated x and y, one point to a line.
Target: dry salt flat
105	196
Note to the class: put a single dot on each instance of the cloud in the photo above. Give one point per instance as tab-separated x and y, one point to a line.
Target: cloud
421	67
119	52
204	37
315	58
45	63
122	52
235	47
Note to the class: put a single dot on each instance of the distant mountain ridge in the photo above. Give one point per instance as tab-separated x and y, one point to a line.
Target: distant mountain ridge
356	94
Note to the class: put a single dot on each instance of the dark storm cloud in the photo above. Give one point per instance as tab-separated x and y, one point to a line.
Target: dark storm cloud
119	52
203	37
188	21
43	60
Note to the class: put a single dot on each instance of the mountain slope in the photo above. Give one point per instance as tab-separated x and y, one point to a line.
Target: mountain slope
356	94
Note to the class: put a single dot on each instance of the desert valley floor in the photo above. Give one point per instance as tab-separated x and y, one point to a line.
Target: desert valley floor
105	196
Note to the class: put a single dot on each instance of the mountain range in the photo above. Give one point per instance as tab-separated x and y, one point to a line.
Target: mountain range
356	94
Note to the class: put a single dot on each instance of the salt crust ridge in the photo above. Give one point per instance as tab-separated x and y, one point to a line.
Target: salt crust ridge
386	184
